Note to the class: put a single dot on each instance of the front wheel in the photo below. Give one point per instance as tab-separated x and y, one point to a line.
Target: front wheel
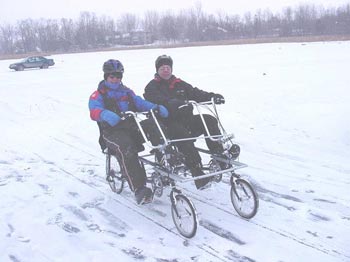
114	174
244	198
184	216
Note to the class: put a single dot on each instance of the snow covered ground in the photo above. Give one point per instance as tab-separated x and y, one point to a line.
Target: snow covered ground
288	106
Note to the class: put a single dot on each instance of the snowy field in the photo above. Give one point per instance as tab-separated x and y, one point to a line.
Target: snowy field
288	106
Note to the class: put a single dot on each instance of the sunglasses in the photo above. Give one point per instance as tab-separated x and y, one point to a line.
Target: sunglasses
116	75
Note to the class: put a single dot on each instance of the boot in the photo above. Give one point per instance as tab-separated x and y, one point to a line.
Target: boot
143	195
200	183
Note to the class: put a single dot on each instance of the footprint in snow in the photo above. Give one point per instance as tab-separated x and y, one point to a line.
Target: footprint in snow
58	221
135	253
77	212
45	188
73	194
13	233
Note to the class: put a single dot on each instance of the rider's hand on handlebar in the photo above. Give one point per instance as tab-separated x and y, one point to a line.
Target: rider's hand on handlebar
219	99
161	111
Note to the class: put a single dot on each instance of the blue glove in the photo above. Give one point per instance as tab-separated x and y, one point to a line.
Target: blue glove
162	111
110	117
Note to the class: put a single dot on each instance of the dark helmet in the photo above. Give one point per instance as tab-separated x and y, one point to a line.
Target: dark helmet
164	60
113	66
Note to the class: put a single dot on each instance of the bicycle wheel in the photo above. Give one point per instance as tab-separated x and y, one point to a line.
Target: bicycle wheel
184	216
244	198
114	174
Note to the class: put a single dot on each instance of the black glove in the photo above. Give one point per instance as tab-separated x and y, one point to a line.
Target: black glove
219	99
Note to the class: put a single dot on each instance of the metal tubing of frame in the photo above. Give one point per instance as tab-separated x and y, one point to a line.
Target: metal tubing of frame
137	120
197	105
193	138
160	129
177	178
184	180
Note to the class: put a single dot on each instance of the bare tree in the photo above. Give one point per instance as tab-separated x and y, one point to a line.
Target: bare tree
27	35
151	23
7	39
106	31
87	29
67	34
128	23
168	28
90	31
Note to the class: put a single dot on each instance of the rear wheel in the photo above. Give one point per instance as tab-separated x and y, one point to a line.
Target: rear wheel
114	174
184	216
244	198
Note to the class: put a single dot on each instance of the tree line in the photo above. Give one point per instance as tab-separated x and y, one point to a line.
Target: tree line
90	31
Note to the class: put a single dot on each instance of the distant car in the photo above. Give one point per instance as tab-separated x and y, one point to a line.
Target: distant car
32	62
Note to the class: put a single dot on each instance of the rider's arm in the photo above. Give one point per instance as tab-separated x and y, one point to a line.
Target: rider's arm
144	105
98	111
197	94
153	93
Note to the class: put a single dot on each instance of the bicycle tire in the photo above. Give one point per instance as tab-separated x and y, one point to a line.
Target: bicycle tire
185	219
114	174
244	198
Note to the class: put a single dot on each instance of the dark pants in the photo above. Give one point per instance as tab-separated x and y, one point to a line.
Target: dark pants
192	126
125	141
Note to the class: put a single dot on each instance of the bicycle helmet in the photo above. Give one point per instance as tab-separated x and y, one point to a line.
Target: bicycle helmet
113	66
164	60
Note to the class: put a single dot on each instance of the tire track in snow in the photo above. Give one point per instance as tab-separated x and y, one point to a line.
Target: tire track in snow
209	203
204	200
128	203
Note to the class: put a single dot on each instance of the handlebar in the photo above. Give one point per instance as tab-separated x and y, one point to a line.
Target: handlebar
192	102
126	114
151	113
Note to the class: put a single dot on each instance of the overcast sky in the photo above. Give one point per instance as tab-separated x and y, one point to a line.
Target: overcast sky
13	10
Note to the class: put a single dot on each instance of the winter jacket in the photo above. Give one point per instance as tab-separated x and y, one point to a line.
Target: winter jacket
106	104
173	93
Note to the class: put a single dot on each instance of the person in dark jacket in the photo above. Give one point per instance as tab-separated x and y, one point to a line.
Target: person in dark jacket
172	92
122	136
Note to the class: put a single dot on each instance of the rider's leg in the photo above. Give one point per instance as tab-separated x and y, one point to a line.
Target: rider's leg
122	143
175	130
197	128
193	161
152	131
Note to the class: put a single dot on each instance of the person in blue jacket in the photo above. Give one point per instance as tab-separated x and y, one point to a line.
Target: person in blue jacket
122	136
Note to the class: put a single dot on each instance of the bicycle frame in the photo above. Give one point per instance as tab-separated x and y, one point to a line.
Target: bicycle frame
198	106
170	172
224	137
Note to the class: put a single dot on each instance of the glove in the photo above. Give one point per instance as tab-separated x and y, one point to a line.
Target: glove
110	117
219	99
161	111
